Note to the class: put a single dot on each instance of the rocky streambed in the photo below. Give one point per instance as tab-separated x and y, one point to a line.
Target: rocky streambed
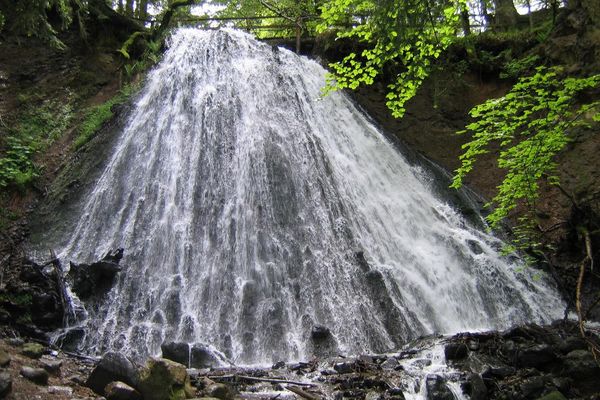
526	362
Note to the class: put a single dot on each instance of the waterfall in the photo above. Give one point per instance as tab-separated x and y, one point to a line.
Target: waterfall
267	222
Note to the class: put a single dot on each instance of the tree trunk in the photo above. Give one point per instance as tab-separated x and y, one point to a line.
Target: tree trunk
129	8
142	10
505	14
485	14
464	19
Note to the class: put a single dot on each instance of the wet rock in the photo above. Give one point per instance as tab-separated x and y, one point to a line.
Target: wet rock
164	379
498	372
176	351
278	365
5	384
344	367
97	278
4	358
322	341
112	367
52	366
580	364
571	343
537	356
33	350
533	387
437	389
455	351
220	391
390	363
362	262
396	393
320	333
202	357
476	388
36	375
121	391
474	247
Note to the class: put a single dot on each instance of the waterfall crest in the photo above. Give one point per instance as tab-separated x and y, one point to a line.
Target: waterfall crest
268	223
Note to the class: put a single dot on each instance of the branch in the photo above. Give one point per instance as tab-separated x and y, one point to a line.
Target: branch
302	393
272	8
166	19
252	378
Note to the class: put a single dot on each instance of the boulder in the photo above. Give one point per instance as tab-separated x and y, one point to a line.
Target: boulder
5	384
390	363
581	364
475	387
163	379
52	366
437	388
176	351
112	367
537	356
121	391
4	358
323	342
33	350
219	391
36	375
202	357
555	395
344	367
455	351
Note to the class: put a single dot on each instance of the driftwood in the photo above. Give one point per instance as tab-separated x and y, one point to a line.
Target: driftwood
302	393
255	379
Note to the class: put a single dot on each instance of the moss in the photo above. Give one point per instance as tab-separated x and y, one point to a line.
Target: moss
98	115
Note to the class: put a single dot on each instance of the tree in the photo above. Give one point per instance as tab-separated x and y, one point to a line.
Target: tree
411	33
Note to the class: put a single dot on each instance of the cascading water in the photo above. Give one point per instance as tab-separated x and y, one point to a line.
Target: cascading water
245	203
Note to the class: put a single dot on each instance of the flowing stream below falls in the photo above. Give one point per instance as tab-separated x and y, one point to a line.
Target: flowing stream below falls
271	224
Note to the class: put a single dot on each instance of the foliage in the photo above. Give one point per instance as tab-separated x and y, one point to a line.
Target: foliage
35	130
410	32
1	21
30	17
98	115
517	67
268	18
531	124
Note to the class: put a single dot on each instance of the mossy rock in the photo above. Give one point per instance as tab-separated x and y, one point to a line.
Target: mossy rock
33	350
555	395
163	379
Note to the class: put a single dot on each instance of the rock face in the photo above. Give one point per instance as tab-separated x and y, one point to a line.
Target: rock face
91	280
112	367
163	379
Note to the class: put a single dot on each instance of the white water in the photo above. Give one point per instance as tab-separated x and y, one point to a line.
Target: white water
241	200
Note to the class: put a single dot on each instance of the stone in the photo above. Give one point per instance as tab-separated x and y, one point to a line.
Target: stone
176	351
219	391
533	387
572	343
437	389
163	379
36	375
5	384
555	395
278	365
33	350
538	356
476	388
4	358
52	366
456	351
97	278
396	393
202	357
580	364
121	391
112	367
344	367
15	342
390	363
320	333
60	390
